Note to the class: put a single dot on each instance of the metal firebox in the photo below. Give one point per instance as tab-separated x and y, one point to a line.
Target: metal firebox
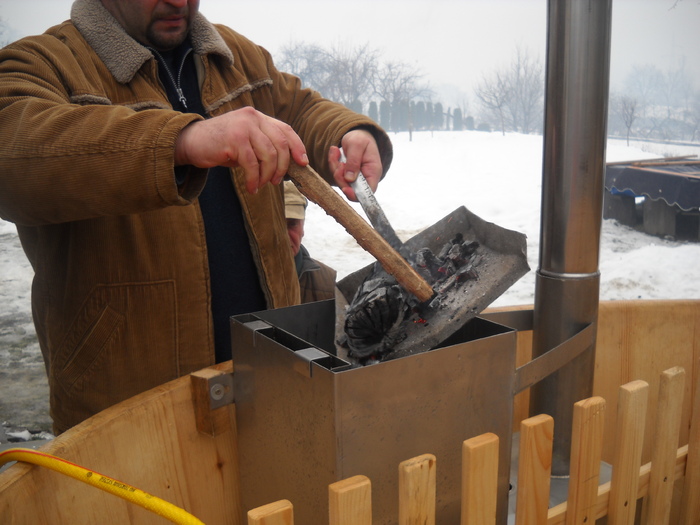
309	416
306	418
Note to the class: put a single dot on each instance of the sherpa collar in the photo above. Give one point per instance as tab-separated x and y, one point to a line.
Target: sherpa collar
123	55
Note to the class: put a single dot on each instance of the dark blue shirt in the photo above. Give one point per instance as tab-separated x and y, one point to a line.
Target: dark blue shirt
235	283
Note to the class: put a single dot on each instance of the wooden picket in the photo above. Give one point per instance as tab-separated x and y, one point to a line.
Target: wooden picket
417	491
658	503
534	470
631	418
586	453
690	502
479	480
276	513
350	500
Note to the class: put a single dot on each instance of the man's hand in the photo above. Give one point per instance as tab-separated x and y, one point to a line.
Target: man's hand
362	155
259	144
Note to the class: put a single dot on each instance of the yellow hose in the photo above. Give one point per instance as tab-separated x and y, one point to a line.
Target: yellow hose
100	481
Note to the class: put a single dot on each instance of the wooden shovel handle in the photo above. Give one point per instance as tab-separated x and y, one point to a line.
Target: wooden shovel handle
319	191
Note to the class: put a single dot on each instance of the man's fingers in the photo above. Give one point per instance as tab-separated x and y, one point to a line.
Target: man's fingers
353	164
278	137
362	156
292	145
261	145
248	160
334	155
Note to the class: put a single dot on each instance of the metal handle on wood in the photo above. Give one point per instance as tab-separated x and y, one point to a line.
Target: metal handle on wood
319	191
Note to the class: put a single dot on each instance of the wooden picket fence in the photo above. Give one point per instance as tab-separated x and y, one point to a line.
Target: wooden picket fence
350	500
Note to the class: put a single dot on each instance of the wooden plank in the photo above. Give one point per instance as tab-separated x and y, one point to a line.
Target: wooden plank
479	480
629	438
557	515
350	501
630	334
208	421
665	441
149	441
690	501
276	513
417	491
586	450
661	160
671	173
534	470
521	401
319	191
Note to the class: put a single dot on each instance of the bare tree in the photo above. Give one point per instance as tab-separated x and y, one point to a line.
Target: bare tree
397	83
306	61
676	89
693	116
526	77
515	94
350	73
494	93
628	112
352	76
645	83
4	40
664	100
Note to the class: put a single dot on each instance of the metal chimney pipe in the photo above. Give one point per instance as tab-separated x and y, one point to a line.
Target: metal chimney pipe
568	279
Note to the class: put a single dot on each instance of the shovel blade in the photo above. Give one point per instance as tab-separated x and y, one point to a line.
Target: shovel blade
503	262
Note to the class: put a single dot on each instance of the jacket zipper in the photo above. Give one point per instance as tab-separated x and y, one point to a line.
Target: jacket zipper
176	83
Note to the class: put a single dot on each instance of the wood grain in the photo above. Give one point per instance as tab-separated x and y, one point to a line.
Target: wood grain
317	190
534	470
417	491
629	438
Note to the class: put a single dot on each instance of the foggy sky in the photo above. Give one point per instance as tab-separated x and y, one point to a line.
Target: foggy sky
453	42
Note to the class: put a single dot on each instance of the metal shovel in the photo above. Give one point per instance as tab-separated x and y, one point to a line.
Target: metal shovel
317	190
503	261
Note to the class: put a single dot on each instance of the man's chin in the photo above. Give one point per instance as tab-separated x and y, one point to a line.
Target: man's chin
167	40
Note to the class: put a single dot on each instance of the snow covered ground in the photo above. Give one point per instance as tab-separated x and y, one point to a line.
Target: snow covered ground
497	177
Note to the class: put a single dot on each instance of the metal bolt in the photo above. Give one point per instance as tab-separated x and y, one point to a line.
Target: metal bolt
217	391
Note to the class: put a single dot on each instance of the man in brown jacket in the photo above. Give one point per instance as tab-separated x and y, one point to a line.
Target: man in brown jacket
141	151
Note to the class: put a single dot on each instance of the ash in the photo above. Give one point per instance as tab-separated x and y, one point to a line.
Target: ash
374	321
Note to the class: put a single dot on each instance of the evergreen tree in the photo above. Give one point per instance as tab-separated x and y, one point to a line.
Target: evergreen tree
373	111
457	123
399	115
469	123
404	115
438	117
429	116
385	115
419	115
356	106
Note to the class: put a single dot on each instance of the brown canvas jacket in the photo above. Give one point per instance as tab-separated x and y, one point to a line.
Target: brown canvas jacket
121	290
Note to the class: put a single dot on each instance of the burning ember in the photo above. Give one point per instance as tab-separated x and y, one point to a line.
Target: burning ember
374	318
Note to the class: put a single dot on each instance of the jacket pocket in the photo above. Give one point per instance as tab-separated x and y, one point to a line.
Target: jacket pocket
91	347
122	342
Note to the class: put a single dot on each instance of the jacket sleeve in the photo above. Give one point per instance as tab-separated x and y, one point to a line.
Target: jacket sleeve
322	123
319	122
68	153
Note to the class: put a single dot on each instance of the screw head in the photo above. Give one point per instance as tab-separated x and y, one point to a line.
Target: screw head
217	391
